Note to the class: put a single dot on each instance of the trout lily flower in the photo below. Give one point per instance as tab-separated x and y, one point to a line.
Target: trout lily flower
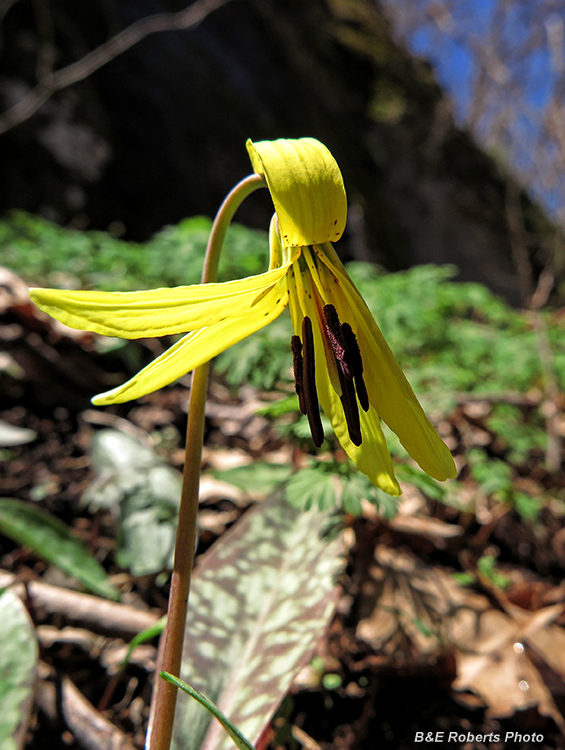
341	360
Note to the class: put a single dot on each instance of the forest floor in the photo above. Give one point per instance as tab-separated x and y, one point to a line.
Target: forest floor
449	619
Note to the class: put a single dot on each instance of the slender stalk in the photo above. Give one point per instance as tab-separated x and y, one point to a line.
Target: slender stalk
160	729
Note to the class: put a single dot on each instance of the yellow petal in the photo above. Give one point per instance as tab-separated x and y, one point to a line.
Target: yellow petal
155	312
387	386
372	457
306	187
199	347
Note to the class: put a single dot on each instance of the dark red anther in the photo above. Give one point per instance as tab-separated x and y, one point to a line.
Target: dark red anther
350	370
298	368
309	384
354	354
350	408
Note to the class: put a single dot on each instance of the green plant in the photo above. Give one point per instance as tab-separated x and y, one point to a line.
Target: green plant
54	541
522	432
496	478
486	567
49	254
329	484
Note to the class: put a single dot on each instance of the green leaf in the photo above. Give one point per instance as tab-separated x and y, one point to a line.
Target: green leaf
421	480
312	488
259	477
145	491
357	487
487	568
54	256
55	542
527	506
332	681
261	600
353	490
18	662
464	579
288	405
232	730
145	635
493	475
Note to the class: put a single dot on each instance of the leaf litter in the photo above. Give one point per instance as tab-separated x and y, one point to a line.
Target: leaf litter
479	654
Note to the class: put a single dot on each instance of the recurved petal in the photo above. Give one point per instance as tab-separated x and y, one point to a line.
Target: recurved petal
155	312
389	390
306	187
199	347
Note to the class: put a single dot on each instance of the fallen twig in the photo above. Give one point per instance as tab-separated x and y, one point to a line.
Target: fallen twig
52	82
91	730
99	615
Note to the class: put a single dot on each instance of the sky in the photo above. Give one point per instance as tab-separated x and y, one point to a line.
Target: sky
502	62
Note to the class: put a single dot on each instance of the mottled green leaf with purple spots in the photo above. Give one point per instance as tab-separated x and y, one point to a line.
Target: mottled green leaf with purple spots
18	662
261	601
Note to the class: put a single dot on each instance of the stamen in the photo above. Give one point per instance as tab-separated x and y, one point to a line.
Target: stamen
309	384
350	409
298	367
335	337
354	354
348	364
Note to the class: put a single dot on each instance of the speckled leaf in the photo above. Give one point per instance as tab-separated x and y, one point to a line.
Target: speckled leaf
133	479
55	542
18	661
260	602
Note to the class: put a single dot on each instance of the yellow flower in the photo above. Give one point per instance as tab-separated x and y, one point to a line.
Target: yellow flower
341	359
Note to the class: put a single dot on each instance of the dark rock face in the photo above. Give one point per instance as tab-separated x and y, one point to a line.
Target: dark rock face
159	133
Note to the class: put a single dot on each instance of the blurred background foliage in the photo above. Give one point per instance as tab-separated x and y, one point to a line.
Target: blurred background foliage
452	338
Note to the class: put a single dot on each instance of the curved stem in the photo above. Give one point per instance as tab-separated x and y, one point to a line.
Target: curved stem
162	712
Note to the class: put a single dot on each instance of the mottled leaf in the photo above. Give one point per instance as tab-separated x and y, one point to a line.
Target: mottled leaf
145	492
260	477
260	602
18	661
55	542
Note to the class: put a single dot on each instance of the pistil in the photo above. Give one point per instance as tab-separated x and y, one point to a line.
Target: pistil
337	341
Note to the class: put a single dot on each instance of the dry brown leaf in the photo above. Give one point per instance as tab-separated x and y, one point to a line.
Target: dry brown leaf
405	598
407	602
549	644
492	659
431	528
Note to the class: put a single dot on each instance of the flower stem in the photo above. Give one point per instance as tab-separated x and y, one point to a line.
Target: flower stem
162	712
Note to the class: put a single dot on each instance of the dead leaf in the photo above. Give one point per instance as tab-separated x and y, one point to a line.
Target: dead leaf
412	609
